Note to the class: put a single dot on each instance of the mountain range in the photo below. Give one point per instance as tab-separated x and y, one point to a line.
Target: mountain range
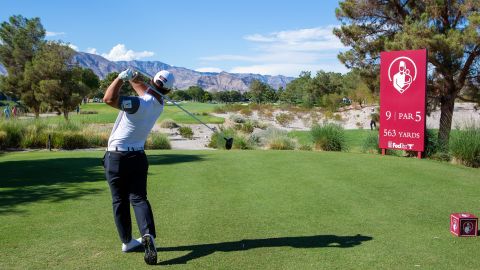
184	77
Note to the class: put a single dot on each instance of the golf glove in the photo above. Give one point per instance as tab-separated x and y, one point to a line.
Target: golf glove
126	75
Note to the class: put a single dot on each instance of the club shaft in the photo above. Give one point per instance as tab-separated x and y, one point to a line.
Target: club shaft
174	103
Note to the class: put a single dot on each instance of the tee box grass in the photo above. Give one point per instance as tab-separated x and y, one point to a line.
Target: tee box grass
241	210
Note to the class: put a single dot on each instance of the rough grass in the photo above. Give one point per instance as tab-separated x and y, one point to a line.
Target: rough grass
242	210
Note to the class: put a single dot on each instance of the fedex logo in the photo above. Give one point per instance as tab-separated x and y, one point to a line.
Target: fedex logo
405	146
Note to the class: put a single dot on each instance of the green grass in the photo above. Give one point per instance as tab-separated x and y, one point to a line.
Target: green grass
106	114
242	210
354	138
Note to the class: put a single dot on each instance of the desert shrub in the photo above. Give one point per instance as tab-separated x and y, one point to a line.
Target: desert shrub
69	140
282	143
217	140
158	140
441	156
242	142
249	126
266	114
246	111
35	136
284	119
273	138
168	123
329	137
14	131
328	114
465	146
337	117
431	143
3	139
68	126
370	144
261	125
237	118
97	139
239	141
186	132
305	147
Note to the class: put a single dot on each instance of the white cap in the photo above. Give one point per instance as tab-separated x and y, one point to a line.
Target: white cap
165	77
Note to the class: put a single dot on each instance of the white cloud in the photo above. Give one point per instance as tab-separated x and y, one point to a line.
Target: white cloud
287	53
54	34
300	36
289	69
73	47
92	50
120	53
209	69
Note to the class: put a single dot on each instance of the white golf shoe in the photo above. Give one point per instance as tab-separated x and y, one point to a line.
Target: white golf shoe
132	245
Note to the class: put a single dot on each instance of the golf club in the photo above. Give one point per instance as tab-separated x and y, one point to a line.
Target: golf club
228	141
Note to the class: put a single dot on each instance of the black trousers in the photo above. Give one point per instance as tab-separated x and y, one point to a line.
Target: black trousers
126	173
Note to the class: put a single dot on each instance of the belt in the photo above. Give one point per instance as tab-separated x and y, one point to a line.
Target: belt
124	149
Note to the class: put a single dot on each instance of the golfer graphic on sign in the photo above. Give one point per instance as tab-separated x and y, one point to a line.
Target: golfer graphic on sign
403	79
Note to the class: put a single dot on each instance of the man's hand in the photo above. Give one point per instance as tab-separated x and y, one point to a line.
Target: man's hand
126	75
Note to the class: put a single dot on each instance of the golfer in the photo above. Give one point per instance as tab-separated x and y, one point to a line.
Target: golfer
125	161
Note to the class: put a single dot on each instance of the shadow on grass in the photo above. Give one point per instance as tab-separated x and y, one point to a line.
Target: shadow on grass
56	180
316	241
172	159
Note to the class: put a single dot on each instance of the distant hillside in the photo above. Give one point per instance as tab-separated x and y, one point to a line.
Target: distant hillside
183	77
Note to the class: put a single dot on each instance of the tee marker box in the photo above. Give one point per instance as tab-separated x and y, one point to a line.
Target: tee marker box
464	224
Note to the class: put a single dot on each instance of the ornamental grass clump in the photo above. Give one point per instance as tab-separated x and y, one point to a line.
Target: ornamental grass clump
158	140
465	146
186	132
329	137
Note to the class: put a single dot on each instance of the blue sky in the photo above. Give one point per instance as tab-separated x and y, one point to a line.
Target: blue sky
265	37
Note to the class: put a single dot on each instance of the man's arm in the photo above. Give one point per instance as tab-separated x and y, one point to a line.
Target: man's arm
112	94
138	85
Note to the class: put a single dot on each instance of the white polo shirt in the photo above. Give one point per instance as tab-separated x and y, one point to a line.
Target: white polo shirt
134	122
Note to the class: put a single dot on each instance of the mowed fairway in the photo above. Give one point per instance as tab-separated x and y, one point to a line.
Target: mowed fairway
106	114
242	210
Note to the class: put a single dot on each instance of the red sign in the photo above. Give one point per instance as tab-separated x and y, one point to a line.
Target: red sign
403	77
